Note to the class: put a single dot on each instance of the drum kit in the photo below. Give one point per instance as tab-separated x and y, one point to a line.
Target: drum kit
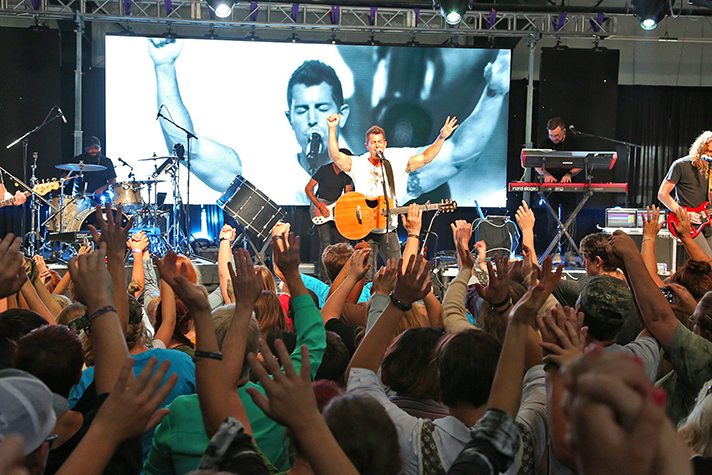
70	214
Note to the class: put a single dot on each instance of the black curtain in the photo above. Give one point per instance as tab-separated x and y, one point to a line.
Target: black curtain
665	120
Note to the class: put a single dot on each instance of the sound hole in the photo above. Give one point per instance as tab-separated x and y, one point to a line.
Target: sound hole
372	203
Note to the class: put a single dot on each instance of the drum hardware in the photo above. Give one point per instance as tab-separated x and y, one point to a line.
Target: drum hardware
254	211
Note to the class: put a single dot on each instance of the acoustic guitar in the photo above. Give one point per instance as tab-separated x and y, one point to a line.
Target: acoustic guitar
356	216
705	216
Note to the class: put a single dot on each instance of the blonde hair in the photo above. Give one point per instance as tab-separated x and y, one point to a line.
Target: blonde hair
267	278
697	149
697	429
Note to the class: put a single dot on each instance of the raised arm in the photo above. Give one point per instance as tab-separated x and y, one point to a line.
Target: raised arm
138	243
465	146
342	160
651	228
357	270
226	237
525	220
12	271
655	310
454	311
428	155
684	232
207	156
34	302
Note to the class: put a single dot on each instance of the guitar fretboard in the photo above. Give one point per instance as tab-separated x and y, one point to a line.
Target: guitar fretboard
428	207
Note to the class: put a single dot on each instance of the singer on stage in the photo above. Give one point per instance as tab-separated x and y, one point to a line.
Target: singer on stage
368	179
690	177
95	183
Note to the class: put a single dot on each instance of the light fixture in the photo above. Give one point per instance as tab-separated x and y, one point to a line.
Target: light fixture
452	10
650	12
222	8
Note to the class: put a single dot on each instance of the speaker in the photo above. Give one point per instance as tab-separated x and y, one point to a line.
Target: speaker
665	251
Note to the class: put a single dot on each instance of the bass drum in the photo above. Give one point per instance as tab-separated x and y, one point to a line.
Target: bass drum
85	218
70	212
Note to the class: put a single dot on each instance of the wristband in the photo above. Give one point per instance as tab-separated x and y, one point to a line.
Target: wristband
646	239
402	306
137	250
509	305
507	300
413	236
207	354
223	239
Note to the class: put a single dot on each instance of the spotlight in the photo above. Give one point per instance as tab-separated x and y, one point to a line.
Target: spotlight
222	8
650	12
451	10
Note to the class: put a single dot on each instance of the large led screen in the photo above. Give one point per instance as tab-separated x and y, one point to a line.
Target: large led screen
259	109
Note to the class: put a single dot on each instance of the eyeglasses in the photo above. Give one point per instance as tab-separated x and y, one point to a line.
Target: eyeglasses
50	440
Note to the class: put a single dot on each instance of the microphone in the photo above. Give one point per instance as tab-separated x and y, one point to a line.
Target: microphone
706	158
159	111
315	142
380	154
126	164
61	114
572	129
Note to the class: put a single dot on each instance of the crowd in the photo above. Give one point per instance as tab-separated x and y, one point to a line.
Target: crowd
518	370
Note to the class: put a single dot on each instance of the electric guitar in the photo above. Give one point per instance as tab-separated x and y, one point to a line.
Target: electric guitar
41	189
705	212
356	216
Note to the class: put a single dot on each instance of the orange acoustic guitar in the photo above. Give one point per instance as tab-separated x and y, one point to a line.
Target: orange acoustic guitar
705	216
356	216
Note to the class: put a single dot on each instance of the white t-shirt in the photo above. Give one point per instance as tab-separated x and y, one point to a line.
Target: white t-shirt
368	179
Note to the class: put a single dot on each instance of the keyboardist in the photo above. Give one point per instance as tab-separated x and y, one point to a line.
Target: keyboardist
558	140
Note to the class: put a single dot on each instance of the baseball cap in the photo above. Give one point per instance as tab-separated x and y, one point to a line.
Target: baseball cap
92	141
25	408
607	299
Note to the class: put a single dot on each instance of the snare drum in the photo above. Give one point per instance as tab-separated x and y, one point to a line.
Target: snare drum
69	213
128	195
82	221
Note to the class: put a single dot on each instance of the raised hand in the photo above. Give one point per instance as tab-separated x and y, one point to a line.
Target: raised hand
227	232
385	279
684	222
86	246
414	219
131	409
139	241
621	246
164	50
358	264
413	283
498	288
246	283
563	339
91	278
497	73
449	127
333	122
112	233
189	293
12	271
290	398
461	233
525	216
539	290
286	252
651	222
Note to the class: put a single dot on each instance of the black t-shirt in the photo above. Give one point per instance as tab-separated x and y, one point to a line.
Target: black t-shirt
569	144
93	180
690	185
331	185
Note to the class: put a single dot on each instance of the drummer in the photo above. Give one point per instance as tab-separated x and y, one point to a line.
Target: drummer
97	182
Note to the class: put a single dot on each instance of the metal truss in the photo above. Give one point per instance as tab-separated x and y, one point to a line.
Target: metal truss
299	17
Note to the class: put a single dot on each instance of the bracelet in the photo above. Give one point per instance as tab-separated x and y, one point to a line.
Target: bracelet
504	310
646	239
207	354
137	250
223	239
413	236
507	300
402	306
100	312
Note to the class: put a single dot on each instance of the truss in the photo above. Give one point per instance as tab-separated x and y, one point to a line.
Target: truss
299	17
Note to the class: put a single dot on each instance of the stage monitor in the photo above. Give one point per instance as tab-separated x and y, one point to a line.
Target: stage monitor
236	96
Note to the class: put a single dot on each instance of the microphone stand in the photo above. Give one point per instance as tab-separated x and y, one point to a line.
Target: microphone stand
189	135
608	139
384	177
25	139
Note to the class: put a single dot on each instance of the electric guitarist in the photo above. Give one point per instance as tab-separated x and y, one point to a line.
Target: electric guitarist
691	178
19	197
331	183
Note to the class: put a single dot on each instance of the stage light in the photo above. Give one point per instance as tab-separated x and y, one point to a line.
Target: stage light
451	10
650	12
222	8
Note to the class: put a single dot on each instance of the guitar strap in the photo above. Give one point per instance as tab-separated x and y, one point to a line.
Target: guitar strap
391	181
709	184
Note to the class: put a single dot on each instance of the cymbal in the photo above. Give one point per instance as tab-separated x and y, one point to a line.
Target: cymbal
154	158
80	167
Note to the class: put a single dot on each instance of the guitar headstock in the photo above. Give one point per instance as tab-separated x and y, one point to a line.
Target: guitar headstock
44	188
447	205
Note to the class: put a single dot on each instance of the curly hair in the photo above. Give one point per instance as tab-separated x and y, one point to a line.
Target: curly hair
697	149
695	276
696	429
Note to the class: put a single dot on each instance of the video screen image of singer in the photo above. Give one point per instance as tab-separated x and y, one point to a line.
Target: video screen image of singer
259	109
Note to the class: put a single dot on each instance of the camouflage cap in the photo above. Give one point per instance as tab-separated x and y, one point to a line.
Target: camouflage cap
606	299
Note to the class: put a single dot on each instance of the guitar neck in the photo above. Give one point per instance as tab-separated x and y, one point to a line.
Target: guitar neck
404	209
10	201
